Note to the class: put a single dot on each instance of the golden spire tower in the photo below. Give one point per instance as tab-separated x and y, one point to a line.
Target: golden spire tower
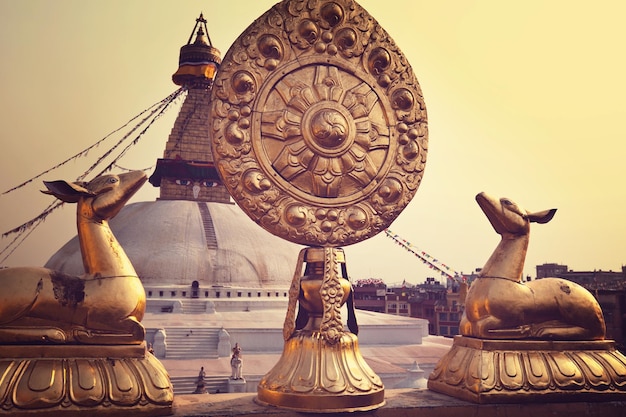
187	171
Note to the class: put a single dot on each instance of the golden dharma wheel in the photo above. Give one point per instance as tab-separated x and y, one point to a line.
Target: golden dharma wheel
319	128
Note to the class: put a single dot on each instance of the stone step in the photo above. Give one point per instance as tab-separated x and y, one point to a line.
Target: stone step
207	223
183	343
193	330
185	336
187	384
194	306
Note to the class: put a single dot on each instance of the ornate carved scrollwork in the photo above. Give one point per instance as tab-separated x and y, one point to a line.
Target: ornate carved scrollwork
319	126
319	133
74	379
499	371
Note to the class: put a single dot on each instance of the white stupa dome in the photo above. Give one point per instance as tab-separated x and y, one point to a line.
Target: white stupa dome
176	242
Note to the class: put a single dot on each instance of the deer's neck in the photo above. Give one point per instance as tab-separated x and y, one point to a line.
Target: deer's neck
102	254
507	260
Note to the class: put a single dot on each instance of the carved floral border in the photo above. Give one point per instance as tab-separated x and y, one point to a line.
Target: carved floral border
340	35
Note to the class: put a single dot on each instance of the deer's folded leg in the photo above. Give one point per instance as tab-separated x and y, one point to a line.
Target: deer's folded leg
518	332
13	335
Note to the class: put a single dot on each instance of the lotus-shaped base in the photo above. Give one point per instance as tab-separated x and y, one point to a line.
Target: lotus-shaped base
506	371
316	376
73	380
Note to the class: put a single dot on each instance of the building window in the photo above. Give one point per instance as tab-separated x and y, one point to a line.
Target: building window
173	293
217	294
249	294
149	293
228	294
443	317
258	294
454	316
206	294
160	293
184	293
238	293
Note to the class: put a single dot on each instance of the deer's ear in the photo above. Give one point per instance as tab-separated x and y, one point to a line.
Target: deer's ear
541	216
66	191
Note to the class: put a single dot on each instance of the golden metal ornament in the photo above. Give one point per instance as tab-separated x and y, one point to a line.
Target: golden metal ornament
319	132
499	305
321	368
515	371
76	343
78	380
319	124
540	341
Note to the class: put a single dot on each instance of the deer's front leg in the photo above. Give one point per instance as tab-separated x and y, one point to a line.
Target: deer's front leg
519	332
128	331
491	327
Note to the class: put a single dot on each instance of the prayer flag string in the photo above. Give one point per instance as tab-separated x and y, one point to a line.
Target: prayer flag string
155	111
85	151
427	259
29	227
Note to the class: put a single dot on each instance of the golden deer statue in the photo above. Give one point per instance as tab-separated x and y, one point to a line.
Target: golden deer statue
103	306
499	305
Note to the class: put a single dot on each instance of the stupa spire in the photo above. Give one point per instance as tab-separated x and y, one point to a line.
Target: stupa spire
187	171
199	60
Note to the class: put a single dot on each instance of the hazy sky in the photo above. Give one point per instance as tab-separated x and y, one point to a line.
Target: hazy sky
524	99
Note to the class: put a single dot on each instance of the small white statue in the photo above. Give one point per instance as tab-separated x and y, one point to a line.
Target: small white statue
236	363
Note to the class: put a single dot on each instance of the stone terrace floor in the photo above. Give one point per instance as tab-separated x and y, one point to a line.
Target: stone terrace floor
399	403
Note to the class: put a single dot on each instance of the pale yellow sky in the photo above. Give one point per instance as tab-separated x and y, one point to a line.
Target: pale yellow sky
524	99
